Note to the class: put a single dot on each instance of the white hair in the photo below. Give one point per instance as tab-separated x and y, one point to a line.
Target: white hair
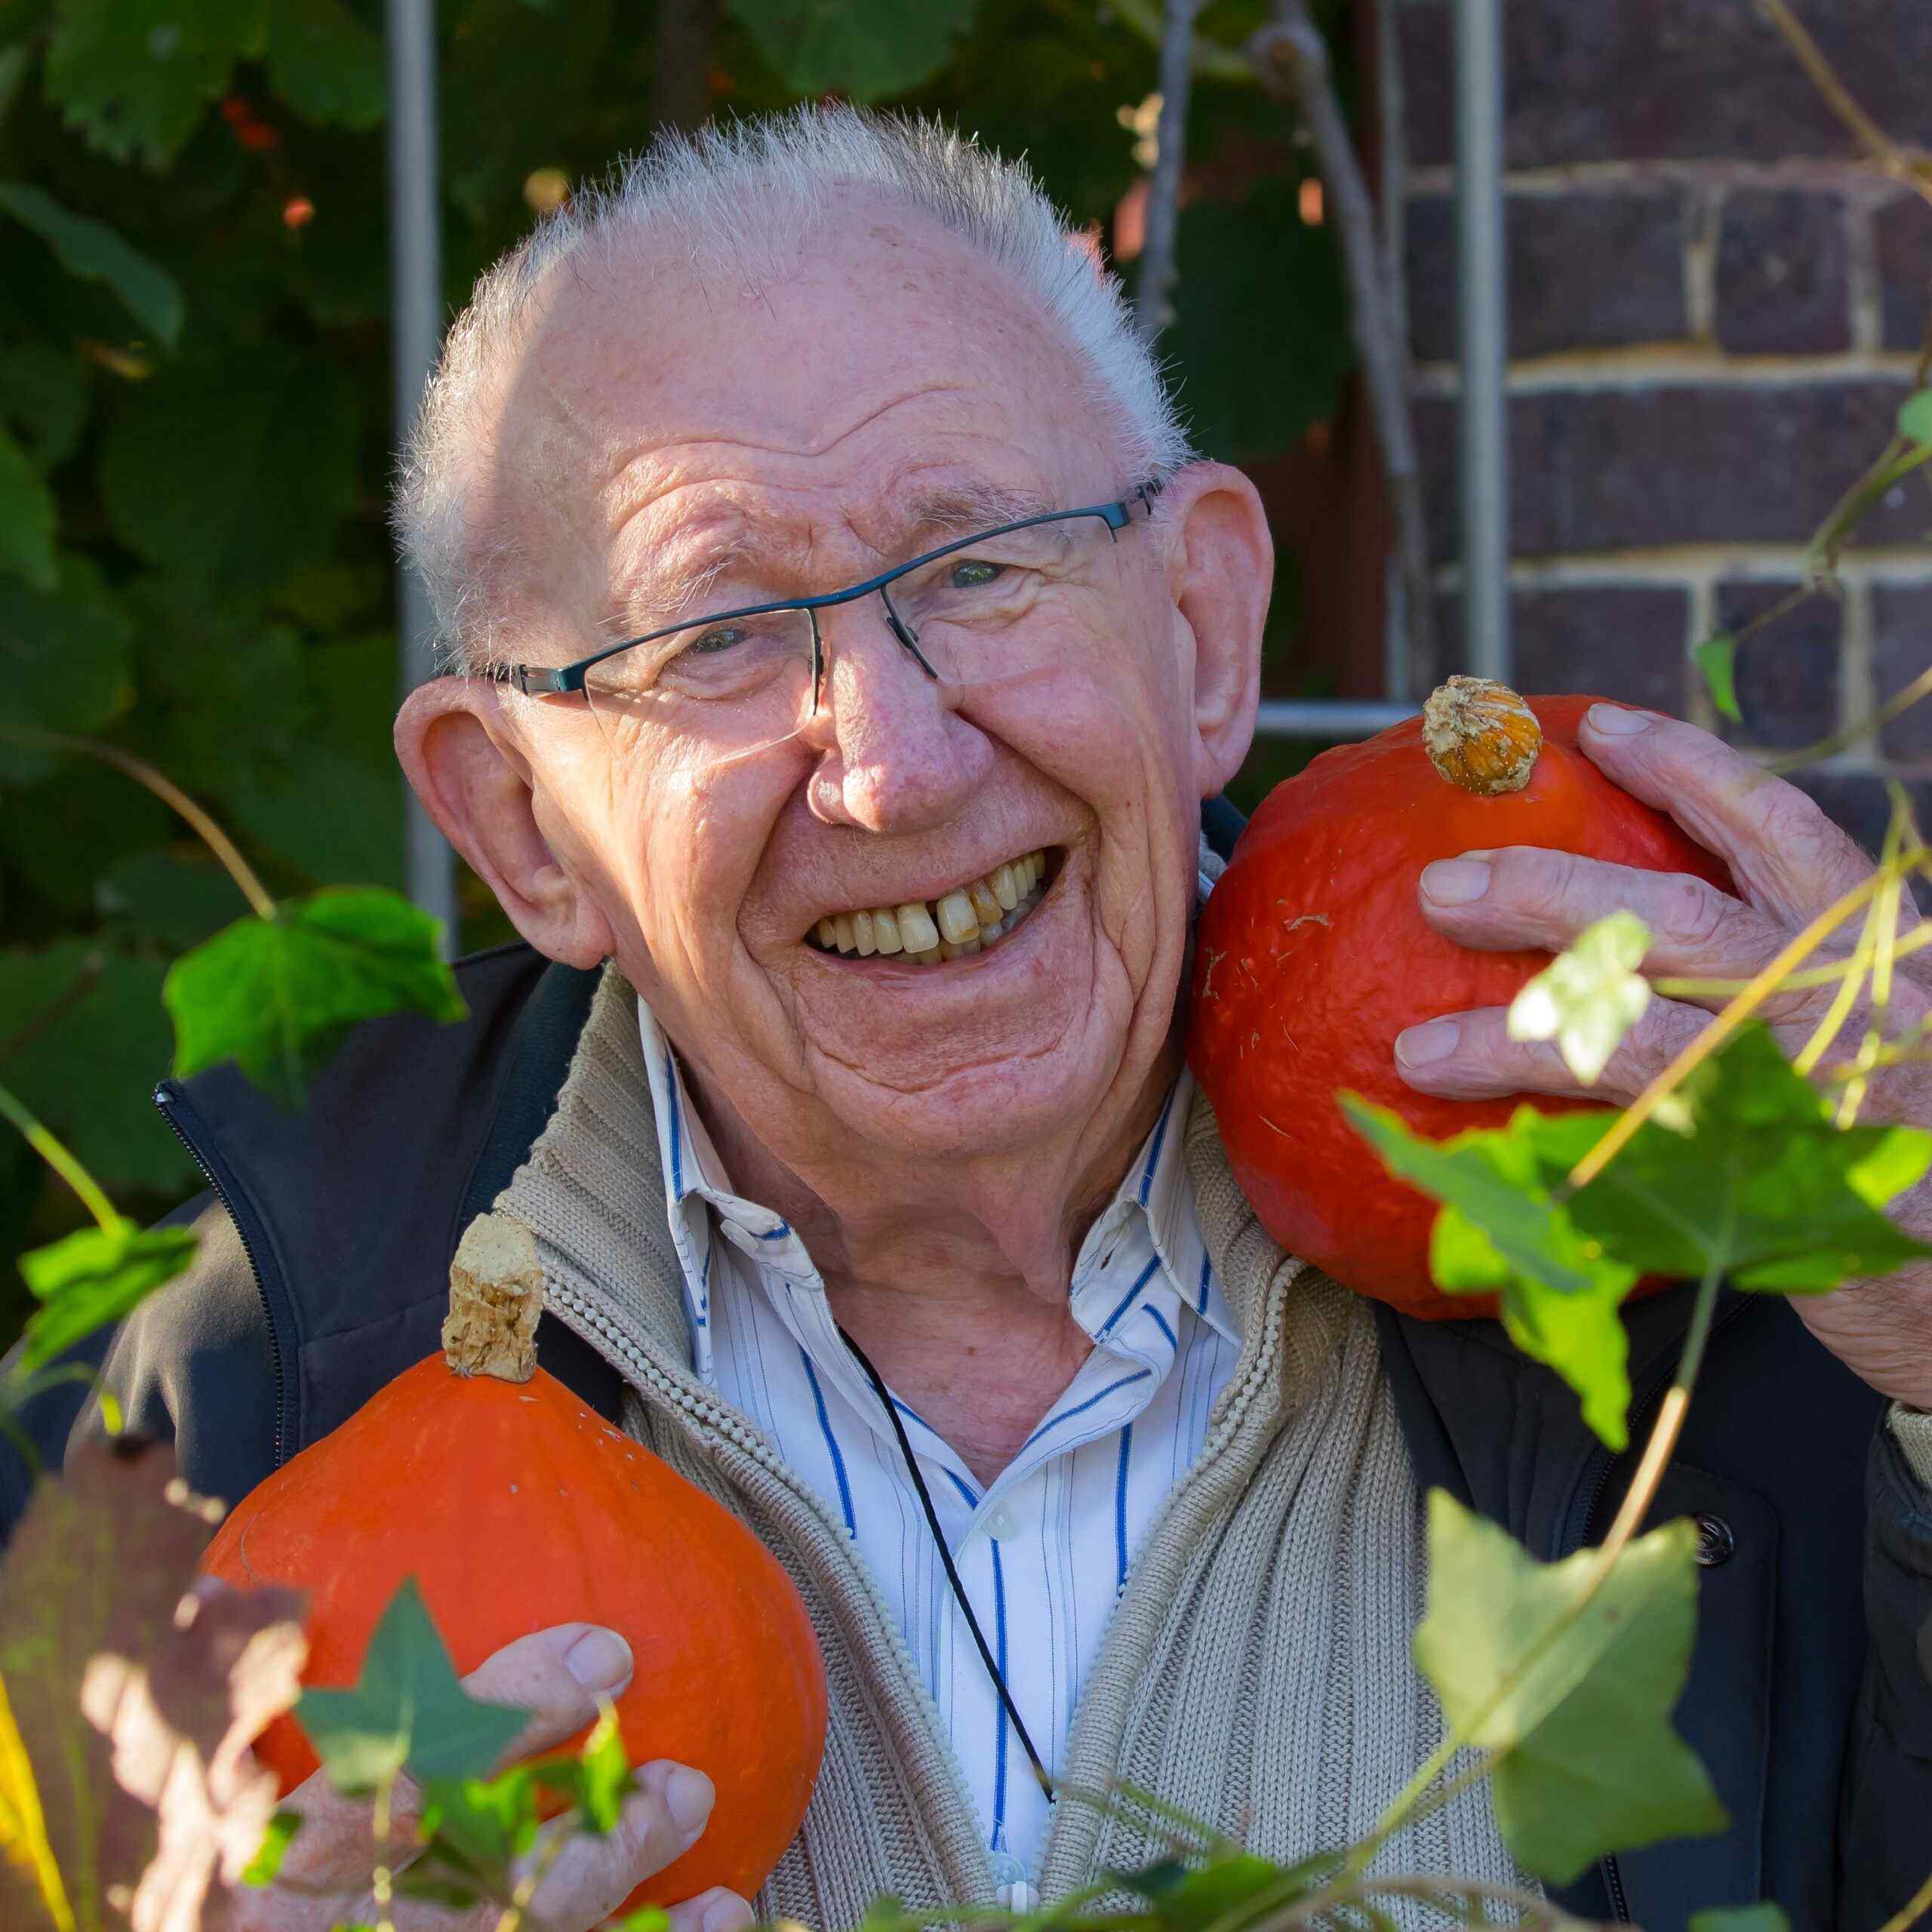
736	199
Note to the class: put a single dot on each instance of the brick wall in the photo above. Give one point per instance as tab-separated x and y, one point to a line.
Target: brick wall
1714	312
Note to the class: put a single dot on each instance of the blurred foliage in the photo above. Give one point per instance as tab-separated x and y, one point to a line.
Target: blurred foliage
195	439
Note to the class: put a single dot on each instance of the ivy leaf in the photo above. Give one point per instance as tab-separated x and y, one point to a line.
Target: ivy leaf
863	48
1916	418
1190	1899
27	518
325	63
1588	998
278	995
132	76
1716	659
1760	1183
1588	1761
261	1869
1741	1918
646	1918
603	1779
408	1711
91	251
1503	1229
94	1276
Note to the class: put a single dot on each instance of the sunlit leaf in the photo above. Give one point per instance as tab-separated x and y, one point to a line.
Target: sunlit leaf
278	995
261	1869
1589	996
646	1918
92	251
1191	1898
94	1276
27	518
134	76
1915	417
408	1711
1577	1704
1741	1918
863	49
1716	659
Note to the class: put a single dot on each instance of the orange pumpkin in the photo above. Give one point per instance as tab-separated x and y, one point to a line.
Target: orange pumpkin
515	1507
1313	955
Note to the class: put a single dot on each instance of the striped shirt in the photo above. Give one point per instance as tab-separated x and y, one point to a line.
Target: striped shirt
1043	1551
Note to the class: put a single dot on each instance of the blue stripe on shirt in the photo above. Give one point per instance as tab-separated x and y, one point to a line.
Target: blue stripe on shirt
1161	1322
1120	1505
1207	1277
999	1655
1154	1153
832	1443
964	1489
1126	1300
1140	1375
677	1127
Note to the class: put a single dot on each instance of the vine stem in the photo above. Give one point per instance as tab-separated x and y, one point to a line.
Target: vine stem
170	795
1540	1911
1900	701
43	1142
1912	1912
1915	941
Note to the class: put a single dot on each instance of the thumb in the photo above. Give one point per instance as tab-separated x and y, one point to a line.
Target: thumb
557	1676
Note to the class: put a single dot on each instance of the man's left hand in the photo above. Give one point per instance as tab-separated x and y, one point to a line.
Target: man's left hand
1789	862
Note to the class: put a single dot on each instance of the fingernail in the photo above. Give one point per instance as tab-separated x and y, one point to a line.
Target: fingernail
1455	881
688	1797
1419	1045
729	1914
600	1659
1613	721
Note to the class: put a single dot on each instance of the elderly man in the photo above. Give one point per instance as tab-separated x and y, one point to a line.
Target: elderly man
843	641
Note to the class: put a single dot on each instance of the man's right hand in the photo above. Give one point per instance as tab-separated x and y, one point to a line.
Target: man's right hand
557	1675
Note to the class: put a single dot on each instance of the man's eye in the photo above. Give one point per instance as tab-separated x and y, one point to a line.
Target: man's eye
974	574
719	637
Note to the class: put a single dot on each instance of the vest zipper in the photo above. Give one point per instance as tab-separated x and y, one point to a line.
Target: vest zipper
167	1096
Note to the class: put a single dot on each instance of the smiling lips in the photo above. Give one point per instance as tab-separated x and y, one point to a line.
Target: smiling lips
965	921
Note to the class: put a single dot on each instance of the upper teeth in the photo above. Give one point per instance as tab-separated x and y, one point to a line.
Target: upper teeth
964	921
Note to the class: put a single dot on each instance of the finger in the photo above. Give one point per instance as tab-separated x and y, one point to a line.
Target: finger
1529	896
1785	855
557	1676
1471	1056
714	1911
591	1876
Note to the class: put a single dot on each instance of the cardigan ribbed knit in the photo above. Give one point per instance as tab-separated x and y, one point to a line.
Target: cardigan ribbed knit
1256	1670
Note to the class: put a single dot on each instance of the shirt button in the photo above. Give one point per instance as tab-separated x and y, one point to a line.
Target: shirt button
1000	1525
1716	1543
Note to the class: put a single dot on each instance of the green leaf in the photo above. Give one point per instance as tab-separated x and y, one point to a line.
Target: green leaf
646	1918
1716	658
94	1276
863	49
65	663
1741	1918
27	518
604	1778
325	63
408	1711
1577	1704
1191	1899
261	1869
12	71
132	76
1760	1182
1915	417
43	392
278	995
358	841
1502	1230
91	251
1588	997
475	1828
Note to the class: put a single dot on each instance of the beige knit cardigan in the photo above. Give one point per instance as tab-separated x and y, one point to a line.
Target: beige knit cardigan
1256	1671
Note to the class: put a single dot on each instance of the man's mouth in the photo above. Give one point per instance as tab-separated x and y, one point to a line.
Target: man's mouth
923	932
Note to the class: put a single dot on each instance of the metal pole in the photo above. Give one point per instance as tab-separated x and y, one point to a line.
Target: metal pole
1482	294
415	287
1328	717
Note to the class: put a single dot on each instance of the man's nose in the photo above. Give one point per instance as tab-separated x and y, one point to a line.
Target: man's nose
897	755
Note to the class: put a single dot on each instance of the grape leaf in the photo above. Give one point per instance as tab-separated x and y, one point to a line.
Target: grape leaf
325	63
91	251
863	49
43	392
1502	1230
1916	418
1580	1714
1741	1918
65	660
134	75
1716	659
94	1276
1588	997
278	995
27	518
408	1711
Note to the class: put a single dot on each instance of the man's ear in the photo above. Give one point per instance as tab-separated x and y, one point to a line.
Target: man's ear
459	751
1221	572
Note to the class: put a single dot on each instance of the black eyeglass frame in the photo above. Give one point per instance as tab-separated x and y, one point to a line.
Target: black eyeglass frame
535	680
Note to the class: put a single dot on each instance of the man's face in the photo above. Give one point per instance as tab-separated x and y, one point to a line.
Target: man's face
741	446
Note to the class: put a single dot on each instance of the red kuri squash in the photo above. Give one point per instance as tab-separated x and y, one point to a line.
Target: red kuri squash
515	1507
1313	955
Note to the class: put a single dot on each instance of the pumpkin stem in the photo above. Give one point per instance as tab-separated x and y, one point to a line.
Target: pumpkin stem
496	1295
1480	736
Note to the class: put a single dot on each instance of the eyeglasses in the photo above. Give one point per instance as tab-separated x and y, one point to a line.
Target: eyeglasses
761	668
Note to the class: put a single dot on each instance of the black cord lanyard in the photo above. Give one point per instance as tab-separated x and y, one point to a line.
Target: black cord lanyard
946	1557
